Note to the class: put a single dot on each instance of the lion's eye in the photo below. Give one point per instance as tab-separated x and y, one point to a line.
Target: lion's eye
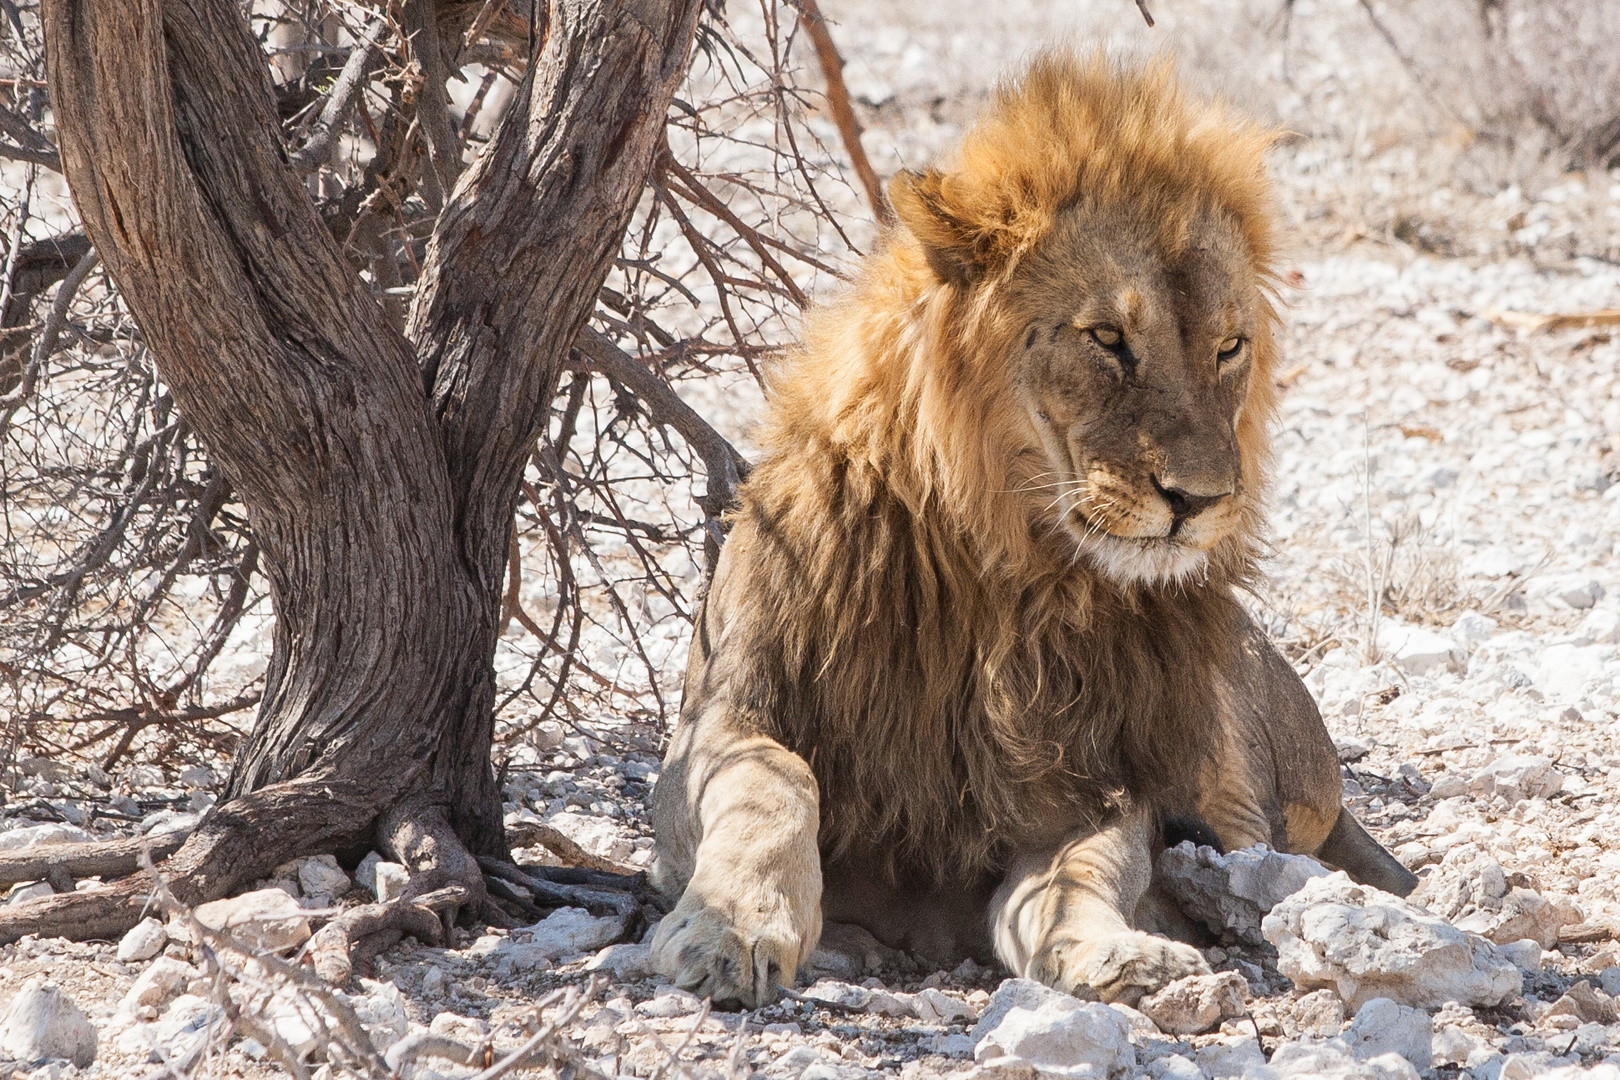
1108	337
1229	348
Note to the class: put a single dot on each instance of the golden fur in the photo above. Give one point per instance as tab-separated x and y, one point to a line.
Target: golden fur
904	537
982	665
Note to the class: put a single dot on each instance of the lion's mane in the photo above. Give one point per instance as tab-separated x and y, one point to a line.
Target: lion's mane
909	620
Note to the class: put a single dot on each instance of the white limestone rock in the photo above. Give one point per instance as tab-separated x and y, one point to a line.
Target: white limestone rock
1454	1046
1417	650
596	834
934	1006
1013	994
1059	1032
1525	954
1383	1027
570	931
158	984
1364	943
1197	1003
1319	1013
1325	1061
44	1024
389	880
1475	895
196	776
668	1002
1173	1067
322	880
626	962
955	1046
1601	626
380	1008
365	875
267	919
1231	893
24	891
1231	1057
32	836
144	941
1518	776
886	1003
1471	628
839	993
168	822
293	1020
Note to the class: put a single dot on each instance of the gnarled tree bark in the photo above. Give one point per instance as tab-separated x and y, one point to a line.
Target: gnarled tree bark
379	470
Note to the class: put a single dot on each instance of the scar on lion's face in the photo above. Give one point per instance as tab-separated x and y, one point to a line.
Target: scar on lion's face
1133	368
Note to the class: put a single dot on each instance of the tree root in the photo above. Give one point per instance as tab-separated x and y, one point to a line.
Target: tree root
349	944
536	891
533	887
246	838
81	916
418	834
97	858
531	833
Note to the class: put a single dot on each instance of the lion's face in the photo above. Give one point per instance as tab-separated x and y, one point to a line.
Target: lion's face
1133	369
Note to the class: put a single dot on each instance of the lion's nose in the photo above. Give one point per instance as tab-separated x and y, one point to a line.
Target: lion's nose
1185	505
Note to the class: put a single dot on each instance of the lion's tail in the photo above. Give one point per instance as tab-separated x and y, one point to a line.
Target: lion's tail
1350	848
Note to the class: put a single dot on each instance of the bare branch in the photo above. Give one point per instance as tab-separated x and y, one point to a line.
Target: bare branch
547	218
849	128
46	345
317	149
24	133
432	105
48	159
724	466
106	858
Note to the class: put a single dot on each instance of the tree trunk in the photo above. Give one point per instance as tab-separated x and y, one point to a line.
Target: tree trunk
379	471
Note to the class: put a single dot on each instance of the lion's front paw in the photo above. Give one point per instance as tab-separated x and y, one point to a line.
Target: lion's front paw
1123	967
729	960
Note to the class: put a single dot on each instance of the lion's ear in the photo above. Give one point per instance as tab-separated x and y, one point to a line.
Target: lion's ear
959	250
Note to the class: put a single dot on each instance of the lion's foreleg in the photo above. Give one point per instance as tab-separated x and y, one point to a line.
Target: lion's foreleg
1062	916
741	815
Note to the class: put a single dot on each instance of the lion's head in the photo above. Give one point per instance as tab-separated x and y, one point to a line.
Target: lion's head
1097	259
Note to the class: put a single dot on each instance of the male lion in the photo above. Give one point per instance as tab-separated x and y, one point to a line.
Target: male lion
973	640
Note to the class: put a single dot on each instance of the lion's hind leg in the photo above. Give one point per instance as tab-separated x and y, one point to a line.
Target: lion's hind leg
1062	916
736	819
1275	778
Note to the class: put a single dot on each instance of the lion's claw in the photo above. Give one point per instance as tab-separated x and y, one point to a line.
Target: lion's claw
705	952
1123	967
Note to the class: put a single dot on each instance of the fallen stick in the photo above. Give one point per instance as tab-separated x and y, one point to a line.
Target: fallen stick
1574	933
1536	324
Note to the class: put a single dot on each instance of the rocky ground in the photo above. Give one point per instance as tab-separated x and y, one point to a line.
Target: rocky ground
1446	514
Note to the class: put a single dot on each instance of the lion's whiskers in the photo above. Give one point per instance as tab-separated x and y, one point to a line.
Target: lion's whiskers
1061	496
1038	487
